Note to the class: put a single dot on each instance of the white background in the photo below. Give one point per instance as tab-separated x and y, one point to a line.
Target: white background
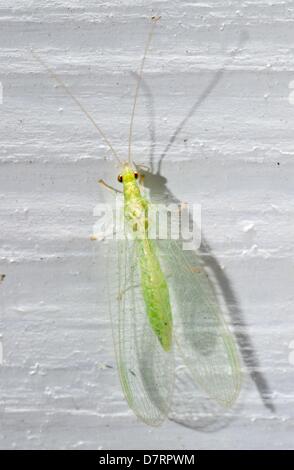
216	101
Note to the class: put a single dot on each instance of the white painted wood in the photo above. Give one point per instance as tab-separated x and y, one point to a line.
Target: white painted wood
224	67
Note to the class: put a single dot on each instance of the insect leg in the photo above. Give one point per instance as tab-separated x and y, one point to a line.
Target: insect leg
111	188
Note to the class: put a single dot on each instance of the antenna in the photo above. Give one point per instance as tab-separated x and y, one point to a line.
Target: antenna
154	21
78	103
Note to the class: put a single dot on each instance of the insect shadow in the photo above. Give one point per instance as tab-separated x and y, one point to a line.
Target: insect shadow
157	186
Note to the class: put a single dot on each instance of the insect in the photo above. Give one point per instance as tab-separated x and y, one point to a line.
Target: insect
164	304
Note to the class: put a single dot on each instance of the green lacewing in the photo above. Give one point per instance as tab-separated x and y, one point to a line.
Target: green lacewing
163	304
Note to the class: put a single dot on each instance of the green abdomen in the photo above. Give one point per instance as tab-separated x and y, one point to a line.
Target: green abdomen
155	293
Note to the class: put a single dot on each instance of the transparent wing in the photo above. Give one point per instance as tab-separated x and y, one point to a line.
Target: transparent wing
146	371
205	343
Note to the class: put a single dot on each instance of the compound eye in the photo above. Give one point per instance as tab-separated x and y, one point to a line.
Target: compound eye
136	175
120	178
